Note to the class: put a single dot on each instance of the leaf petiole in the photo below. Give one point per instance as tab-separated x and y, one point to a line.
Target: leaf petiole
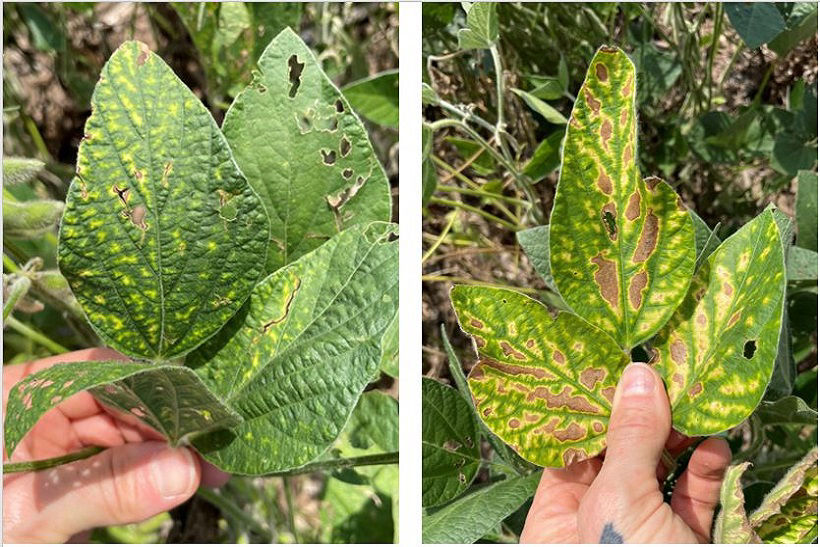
39	465
386	458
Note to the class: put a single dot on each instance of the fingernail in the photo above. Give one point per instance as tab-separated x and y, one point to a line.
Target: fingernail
637	380
174	472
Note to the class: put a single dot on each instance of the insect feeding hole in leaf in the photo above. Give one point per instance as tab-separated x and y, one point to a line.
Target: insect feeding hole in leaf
749	349
295	75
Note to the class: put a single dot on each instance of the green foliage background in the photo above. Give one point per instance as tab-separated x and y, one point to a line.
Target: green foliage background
53	54
727	99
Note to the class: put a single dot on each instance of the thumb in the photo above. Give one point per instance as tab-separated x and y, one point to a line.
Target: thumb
124	484
638	427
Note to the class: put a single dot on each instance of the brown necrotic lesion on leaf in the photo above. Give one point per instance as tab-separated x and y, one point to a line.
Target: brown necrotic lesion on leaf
591	376
286	311
633	207
636	287
606	277
605	183
649	238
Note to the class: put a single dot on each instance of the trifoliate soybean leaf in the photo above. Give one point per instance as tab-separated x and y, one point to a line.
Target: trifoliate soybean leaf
296	357
162	238
20	170
29	219
718	349
170	398
467	519
536	244
793	152
756	22
482	27
544	109
789	512
622	249
376	98
305	151
732	524
788	410
543	385
801	264
450	447
806	210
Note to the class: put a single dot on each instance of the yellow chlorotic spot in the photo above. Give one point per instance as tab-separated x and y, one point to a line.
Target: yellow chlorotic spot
99	299
212	245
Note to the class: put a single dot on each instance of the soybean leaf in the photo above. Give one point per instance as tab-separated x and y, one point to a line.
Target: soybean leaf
428	94
536	244
801	264
390	349
756	22
621	249
376	98
788	513
303	149
20	170
482	163
295	359
231	36
718	349
732	524
170	398
706	239
546	158
467	519
29	219
450	448
801	24
162	238
544	109
482	27
543	385
806	210
788	410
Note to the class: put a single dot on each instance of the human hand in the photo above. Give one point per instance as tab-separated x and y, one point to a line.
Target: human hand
617	498
138	477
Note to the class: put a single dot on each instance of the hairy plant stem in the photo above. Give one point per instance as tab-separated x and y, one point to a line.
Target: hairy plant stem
39	465
36	336
17	290
707	81
10	264
286	485
385	458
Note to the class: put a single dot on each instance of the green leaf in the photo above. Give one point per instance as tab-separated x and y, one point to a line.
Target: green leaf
788	410
450	447
548	89
543	385
428	94
546	158
467	519
170	398
788	513
536	244
806	210
801	264
303	149
483	163
20	170
376	98
718	349
756	22
295	359
482	27
621	249
45	33
731	523
563	72
30	219
545	110
706	239
390	349
162	238
801	24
